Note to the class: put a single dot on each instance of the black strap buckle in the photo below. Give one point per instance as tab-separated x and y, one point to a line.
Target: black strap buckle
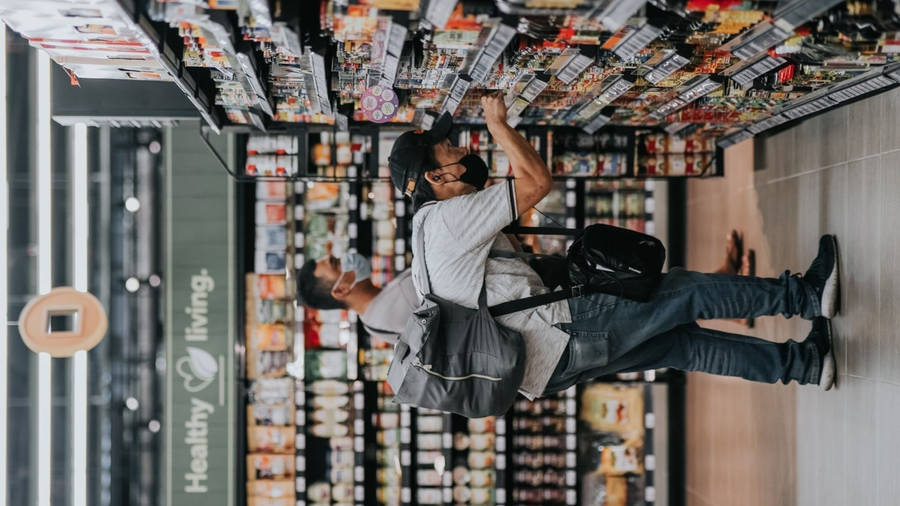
577	290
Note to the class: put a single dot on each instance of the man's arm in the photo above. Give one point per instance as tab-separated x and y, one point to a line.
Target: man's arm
532	177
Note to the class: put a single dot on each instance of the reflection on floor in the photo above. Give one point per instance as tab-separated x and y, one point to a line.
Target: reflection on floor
773	445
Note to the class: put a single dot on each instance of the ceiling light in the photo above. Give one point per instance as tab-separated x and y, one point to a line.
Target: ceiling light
132	204
132	404
132	284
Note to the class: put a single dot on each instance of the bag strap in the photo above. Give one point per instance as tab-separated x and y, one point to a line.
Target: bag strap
499	253
518	229
514	306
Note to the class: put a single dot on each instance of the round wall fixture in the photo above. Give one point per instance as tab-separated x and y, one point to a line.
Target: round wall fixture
379	103
62	322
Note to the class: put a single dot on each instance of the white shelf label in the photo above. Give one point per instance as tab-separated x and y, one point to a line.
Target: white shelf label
301	418
448	440
650	494
359	426
405	436
359	401
501	495
501	426
300	398
650	227
301	484
406	495
571	497
501	444
448	479
571	478
359	493
298	213
570	425
359	474
300	442
448	495
359	445
353	201
571	407
351	171
400	263
298	239
570	184
399	246
301	503
650	462
501	462
570	459
571	442
298	262
405	458
649	420
570	392
300	464
404	417
351	230
400	208
650	205
570	199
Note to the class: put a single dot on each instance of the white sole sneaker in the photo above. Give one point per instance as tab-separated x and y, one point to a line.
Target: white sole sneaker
831	291
829	374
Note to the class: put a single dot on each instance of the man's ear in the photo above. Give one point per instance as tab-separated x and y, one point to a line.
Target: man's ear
434	177
344	285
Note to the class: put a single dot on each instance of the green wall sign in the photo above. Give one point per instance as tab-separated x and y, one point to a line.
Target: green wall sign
200	403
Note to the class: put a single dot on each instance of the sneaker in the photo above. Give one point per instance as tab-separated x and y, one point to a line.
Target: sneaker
823	339
824	277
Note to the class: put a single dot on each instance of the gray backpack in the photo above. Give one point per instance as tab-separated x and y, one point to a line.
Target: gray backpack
459	360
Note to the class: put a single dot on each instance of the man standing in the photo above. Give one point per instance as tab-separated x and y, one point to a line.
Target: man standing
574	340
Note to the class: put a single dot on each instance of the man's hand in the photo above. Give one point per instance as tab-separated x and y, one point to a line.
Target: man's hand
494	109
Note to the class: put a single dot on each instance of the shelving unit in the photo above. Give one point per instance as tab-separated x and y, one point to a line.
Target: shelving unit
403	455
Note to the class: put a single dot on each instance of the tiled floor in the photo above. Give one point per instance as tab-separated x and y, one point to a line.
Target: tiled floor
772	445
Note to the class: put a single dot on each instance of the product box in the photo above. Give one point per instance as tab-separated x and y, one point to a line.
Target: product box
270	467
271	439
267	415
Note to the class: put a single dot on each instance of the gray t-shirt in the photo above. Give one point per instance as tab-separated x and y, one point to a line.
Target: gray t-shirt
387	313
459	234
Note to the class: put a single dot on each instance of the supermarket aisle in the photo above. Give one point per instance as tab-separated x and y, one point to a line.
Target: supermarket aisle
767	445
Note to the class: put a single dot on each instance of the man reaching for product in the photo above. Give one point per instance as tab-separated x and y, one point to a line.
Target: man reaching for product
578	339
345	284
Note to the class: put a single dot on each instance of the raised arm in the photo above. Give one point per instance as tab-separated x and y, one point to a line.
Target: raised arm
532	177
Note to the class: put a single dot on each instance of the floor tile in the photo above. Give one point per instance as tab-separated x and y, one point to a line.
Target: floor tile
859	431
860	324
889	351
866	119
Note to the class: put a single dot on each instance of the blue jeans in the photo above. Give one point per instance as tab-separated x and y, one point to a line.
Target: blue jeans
609	334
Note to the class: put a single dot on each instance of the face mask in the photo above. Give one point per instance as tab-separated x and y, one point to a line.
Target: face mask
476	173
358	264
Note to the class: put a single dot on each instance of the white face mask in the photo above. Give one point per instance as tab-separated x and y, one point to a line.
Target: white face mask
358	264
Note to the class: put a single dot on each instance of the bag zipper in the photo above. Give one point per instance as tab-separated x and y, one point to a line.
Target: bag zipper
427	368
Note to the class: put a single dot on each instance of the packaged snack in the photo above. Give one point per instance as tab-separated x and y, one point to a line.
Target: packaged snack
270	415
271	190
271	489
430	423
330	401
342	459
430	496
428	458
269	262
429	478
328	430
271	439
271	213
330	416
326	364
480	460
271	286
269	337
481	424
482	442
272	391
271	311
271	237
330	387
267	364
482	496
482	478
429	441
270	467
270	501
342	492
461	494
319	492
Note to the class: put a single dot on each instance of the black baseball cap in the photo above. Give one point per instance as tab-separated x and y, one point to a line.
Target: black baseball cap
411	155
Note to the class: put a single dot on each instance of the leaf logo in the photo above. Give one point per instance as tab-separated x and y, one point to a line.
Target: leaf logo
198	369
